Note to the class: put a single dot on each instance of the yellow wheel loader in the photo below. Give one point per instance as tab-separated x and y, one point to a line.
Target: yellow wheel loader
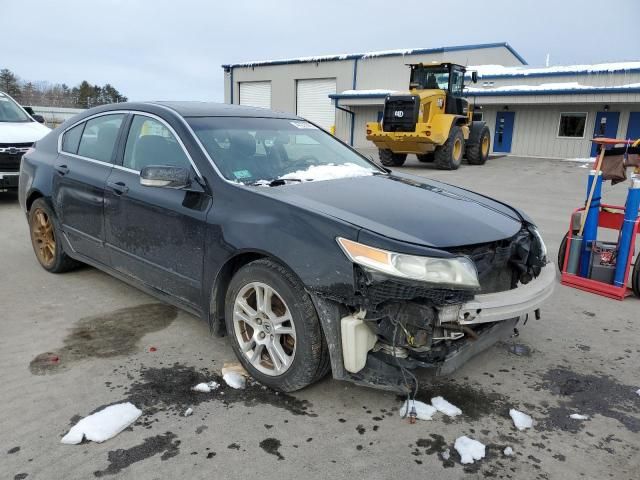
432	121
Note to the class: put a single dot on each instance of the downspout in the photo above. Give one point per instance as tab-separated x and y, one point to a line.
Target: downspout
231	89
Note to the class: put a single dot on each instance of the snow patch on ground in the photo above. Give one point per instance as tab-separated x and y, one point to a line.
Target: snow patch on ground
522	421
508	451
235	380
577	416
103	425
206	387
329	172
445	407
188	412
469	449
424	411
638	391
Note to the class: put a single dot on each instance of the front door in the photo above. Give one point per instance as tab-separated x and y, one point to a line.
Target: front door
633	128
154	234
606	126
85	162
504	132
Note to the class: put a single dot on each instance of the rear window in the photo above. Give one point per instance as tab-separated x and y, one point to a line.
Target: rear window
99	137
71	139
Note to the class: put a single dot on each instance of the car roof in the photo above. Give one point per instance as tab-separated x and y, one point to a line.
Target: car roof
213	109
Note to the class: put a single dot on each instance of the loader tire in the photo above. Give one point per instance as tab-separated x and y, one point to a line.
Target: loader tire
478	146
390	159
426	157
449	155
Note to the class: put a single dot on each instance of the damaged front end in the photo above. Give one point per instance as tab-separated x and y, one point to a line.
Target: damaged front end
397	323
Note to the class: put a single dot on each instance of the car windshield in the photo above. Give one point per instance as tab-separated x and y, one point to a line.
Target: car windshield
10	111
273	151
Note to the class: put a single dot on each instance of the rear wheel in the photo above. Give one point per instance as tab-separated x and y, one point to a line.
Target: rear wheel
635	277
478	146
449	155
390	159
426	157
274	327
45	235
562	251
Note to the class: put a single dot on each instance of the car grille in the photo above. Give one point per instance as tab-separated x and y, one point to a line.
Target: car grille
11	154
401	113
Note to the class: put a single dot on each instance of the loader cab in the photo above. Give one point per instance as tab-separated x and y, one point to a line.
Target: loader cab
448	77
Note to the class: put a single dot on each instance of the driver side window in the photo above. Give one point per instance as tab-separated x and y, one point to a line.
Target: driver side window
150	142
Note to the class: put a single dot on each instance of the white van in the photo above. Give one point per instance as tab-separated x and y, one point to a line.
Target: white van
18	132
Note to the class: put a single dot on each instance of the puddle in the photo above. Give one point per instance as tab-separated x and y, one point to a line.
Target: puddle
107	335
520	350
272	446
167	444
169	389
590	395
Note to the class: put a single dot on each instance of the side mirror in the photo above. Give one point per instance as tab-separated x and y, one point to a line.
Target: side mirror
38	118
474	76
165	177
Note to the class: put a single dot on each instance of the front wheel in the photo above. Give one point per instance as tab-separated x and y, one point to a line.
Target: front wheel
274	327
449	155
390	159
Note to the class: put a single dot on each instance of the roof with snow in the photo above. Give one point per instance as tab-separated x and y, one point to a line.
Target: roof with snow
499	71
382	53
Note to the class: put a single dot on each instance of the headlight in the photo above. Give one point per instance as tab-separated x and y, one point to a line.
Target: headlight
458	272
543	247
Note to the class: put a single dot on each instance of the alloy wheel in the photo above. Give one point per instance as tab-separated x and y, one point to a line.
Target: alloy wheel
43	238
264	328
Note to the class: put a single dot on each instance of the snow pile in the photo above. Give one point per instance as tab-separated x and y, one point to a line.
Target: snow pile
235	380
330	172
366	93
445	407
424	411
188	412
206	387
522	421
508	451
547	87
577	416
638	391
446	455
103	425
470	450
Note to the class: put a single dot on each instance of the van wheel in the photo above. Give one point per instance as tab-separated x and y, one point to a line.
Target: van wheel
478	146
274	328
449	155
45	239
390	159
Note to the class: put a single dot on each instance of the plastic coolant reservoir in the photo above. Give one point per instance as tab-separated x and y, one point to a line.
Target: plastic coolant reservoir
357	340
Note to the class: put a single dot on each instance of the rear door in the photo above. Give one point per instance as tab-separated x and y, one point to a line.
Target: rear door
153	234
606	126
85	161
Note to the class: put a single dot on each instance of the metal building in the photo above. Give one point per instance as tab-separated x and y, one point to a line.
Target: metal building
544	112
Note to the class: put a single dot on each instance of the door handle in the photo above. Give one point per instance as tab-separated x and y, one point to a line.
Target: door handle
62	169
118	187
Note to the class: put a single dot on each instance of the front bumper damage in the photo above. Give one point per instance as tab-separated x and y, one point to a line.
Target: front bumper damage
461	329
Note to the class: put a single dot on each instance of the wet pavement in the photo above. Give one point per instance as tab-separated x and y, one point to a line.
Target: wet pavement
74	343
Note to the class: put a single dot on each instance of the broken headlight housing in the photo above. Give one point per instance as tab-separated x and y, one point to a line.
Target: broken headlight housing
457	272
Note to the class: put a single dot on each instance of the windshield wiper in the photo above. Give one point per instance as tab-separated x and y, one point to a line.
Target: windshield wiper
276	182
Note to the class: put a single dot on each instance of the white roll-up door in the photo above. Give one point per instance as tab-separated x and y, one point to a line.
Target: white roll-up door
313	102
255	94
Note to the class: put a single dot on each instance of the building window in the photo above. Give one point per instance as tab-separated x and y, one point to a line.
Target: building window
572	125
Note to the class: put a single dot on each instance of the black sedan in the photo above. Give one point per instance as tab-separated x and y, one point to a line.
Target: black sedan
307	255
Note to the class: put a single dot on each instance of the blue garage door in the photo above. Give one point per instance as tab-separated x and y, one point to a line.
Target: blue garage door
633	130
606	126
504	132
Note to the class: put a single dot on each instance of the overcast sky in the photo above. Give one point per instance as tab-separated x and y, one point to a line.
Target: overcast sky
173	49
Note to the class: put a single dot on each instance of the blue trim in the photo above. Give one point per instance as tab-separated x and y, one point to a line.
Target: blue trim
357	56
231	89
568	91
561	74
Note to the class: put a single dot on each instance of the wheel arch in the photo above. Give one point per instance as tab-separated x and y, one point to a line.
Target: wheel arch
32	197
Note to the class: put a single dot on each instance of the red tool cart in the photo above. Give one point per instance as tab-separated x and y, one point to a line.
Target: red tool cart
610	217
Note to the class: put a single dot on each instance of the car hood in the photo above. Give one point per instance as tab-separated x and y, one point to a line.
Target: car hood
22	132
407	208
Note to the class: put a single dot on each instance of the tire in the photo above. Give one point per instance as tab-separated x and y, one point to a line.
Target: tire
307	355
44	232
426	157
390	159
478	146
635	277
449	155
562	251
